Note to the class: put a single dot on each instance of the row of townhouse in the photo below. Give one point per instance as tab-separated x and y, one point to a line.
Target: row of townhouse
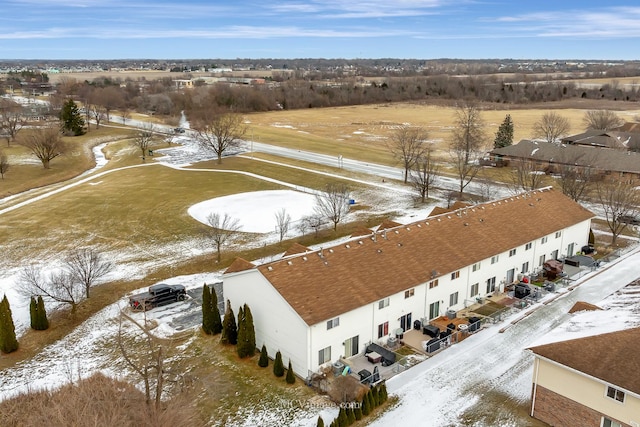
318	306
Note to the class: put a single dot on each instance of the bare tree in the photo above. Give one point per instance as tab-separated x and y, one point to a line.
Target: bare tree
283	222
144	138
125	114
467	145
57	286
618	200
601	120
526	176
218	132
407	145
11	118
575	174
97	113
145	356
551	126
86	266
4	163
223	228
315	222
46	144
424	174
333	203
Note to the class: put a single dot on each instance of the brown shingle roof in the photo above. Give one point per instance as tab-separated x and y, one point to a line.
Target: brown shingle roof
387	223
323	284
611	357
239	264
599	158
296	248
583	306
362	231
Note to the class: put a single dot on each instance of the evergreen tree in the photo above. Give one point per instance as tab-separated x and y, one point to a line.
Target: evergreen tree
264	357
366	409
33	313
383	392
216	323
8	341
207	318
358	412
278	367
43	322
342	417
504	136
72	121
320	422
351	416
250	332
370	401
229	328
376	395
242	331
291	378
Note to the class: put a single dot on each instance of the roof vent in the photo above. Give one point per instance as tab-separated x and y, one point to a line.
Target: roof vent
379	251
418	225
347	246
304	258
330	251
359	242
408	229
466	224
481	219
270	268
399	245
289	262
397	232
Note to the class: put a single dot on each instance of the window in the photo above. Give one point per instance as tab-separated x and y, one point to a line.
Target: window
453	299
333	323
541	261
383	329
408	294
554	254
434	310
608	422
474	289
491	285
525	267
512	252
558	234
494	259
383	303
527	246
324	355
433	284
543	240
476	266
615	394
455	275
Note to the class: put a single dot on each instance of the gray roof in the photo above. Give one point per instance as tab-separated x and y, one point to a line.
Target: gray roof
570	154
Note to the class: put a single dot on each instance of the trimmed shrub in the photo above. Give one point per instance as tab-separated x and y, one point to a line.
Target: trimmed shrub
278	367
357	412
8	341
320	422
263	362
229	327
291	378
43	322
207	320
216	323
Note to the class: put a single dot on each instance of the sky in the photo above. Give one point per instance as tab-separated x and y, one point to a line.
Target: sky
417	29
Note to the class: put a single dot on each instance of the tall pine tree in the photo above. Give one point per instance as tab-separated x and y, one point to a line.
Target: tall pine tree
250	332
8	341
33	313
216	323
278	367
71	119
43	322
242	331
504	136
207	316
229	327
263	362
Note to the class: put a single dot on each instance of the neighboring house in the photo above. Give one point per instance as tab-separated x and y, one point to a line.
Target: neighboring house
613	139
317	306
588	382
550	156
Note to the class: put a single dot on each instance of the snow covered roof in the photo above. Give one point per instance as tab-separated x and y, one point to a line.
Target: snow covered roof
611	357
327	283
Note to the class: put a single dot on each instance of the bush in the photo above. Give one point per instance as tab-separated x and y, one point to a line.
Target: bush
291	378
264	357
278	367
229	327
8	341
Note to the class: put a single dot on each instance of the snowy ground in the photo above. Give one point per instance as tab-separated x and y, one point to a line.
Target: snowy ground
434	393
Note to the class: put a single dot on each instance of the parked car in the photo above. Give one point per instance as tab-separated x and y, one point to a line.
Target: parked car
179	130
160	294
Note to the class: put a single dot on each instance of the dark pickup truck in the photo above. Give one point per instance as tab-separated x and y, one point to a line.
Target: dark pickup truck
160	294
